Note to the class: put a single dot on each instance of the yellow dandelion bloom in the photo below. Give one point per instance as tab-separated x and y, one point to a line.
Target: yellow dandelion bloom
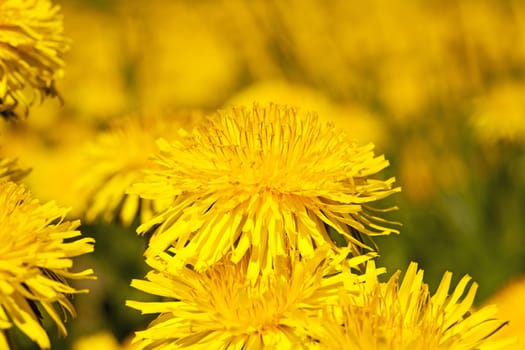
264	182
116	159
404	315
35	260
221	309
9	170
31	49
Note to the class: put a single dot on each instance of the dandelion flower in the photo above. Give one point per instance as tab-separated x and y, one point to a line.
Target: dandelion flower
35	260
403	315
116	159
31	50
221	309
263	182
99	39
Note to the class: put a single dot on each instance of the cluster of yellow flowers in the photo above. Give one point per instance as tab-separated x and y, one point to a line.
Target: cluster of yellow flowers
264	245
260	219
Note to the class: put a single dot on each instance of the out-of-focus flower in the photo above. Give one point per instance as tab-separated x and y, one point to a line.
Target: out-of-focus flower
97	81
37	251
221	309
343	47
100	341
196	67
482	25
421	173
53	158
404	315
116	159
500	114
355	120
9	170
401	90
265	182
31	50
511	307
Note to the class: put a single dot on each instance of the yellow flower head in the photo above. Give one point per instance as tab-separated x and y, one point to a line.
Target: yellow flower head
116	159
221	309
31	49
264	182
35	257
403	315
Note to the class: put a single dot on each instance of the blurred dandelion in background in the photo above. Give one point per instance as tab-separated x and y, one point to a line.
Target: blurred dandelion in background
500	115
101	340
118	158
98	46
